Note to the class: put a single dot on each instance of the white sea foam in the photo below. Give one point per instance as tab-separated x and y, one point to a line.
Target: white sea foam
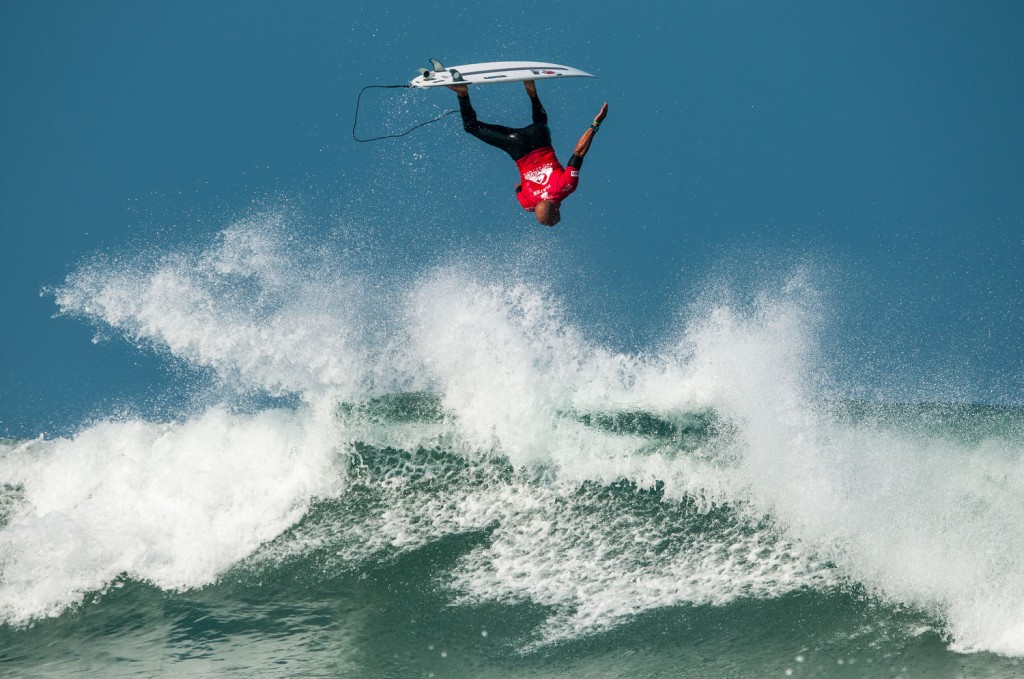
918	519
172	504
598	565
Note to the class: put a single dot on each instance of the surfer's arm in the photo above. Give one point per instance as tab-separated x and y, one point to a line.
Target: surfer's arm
583	145
522	198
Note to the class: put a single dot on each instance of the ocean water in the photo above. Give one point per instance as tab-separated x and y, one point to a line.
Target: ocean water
449	477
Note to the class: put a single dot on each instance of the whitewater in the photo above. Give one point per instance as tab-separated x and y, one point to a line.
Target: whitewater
455	445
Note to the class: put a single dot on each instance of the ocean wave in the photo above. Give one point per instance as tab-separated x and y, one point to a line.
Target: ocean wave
720	465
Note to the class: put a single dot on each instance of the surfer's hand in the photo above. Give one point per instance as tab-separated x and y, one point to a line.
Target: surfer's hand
461	90
531	87
602	115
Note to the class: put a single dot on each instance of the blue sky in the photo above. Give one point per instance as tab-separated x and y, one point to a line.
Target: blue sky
877	143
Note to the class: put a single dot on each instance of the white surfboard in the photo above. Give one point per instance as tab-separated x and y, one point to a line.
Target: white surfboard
494	72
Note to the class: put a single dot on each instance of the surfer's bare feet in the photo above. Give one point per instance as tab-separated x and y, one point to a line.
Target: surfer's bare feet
461	90
531	87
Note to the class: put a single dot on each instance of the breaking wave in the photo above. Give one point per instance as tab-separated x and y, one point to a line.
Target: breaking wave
718	466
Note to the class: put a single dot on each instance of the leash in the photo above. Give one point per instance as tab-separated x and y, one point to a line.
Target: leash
355	121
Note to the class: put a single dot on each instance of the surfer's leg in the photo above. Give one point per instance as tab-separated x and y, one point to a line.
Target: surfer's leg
540	116
499	136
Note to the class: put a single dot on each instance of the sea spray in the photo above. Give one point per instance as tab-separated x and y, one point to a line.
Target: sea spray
261	312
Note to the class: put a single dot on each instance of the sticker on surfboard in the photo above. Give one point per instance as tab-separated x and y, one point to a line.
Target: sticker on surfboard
493	72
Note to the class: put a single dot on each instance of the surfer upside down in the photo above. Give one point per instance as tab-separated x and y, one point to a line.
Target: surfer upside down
544	183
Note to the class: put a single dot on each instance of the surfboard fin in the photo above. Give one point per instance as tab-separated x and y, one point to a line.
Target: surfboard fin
427	75
456	76
438	66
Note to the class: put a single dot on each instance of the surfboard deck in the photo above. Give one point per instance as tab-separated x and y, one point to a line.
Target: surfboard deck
497	72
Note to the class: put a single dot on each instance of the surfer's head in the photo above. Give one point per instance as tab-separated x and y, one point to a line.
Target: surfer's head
547	212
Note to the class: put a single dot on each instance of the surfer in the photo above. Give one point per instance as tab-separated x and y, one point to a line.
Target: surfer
544	183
